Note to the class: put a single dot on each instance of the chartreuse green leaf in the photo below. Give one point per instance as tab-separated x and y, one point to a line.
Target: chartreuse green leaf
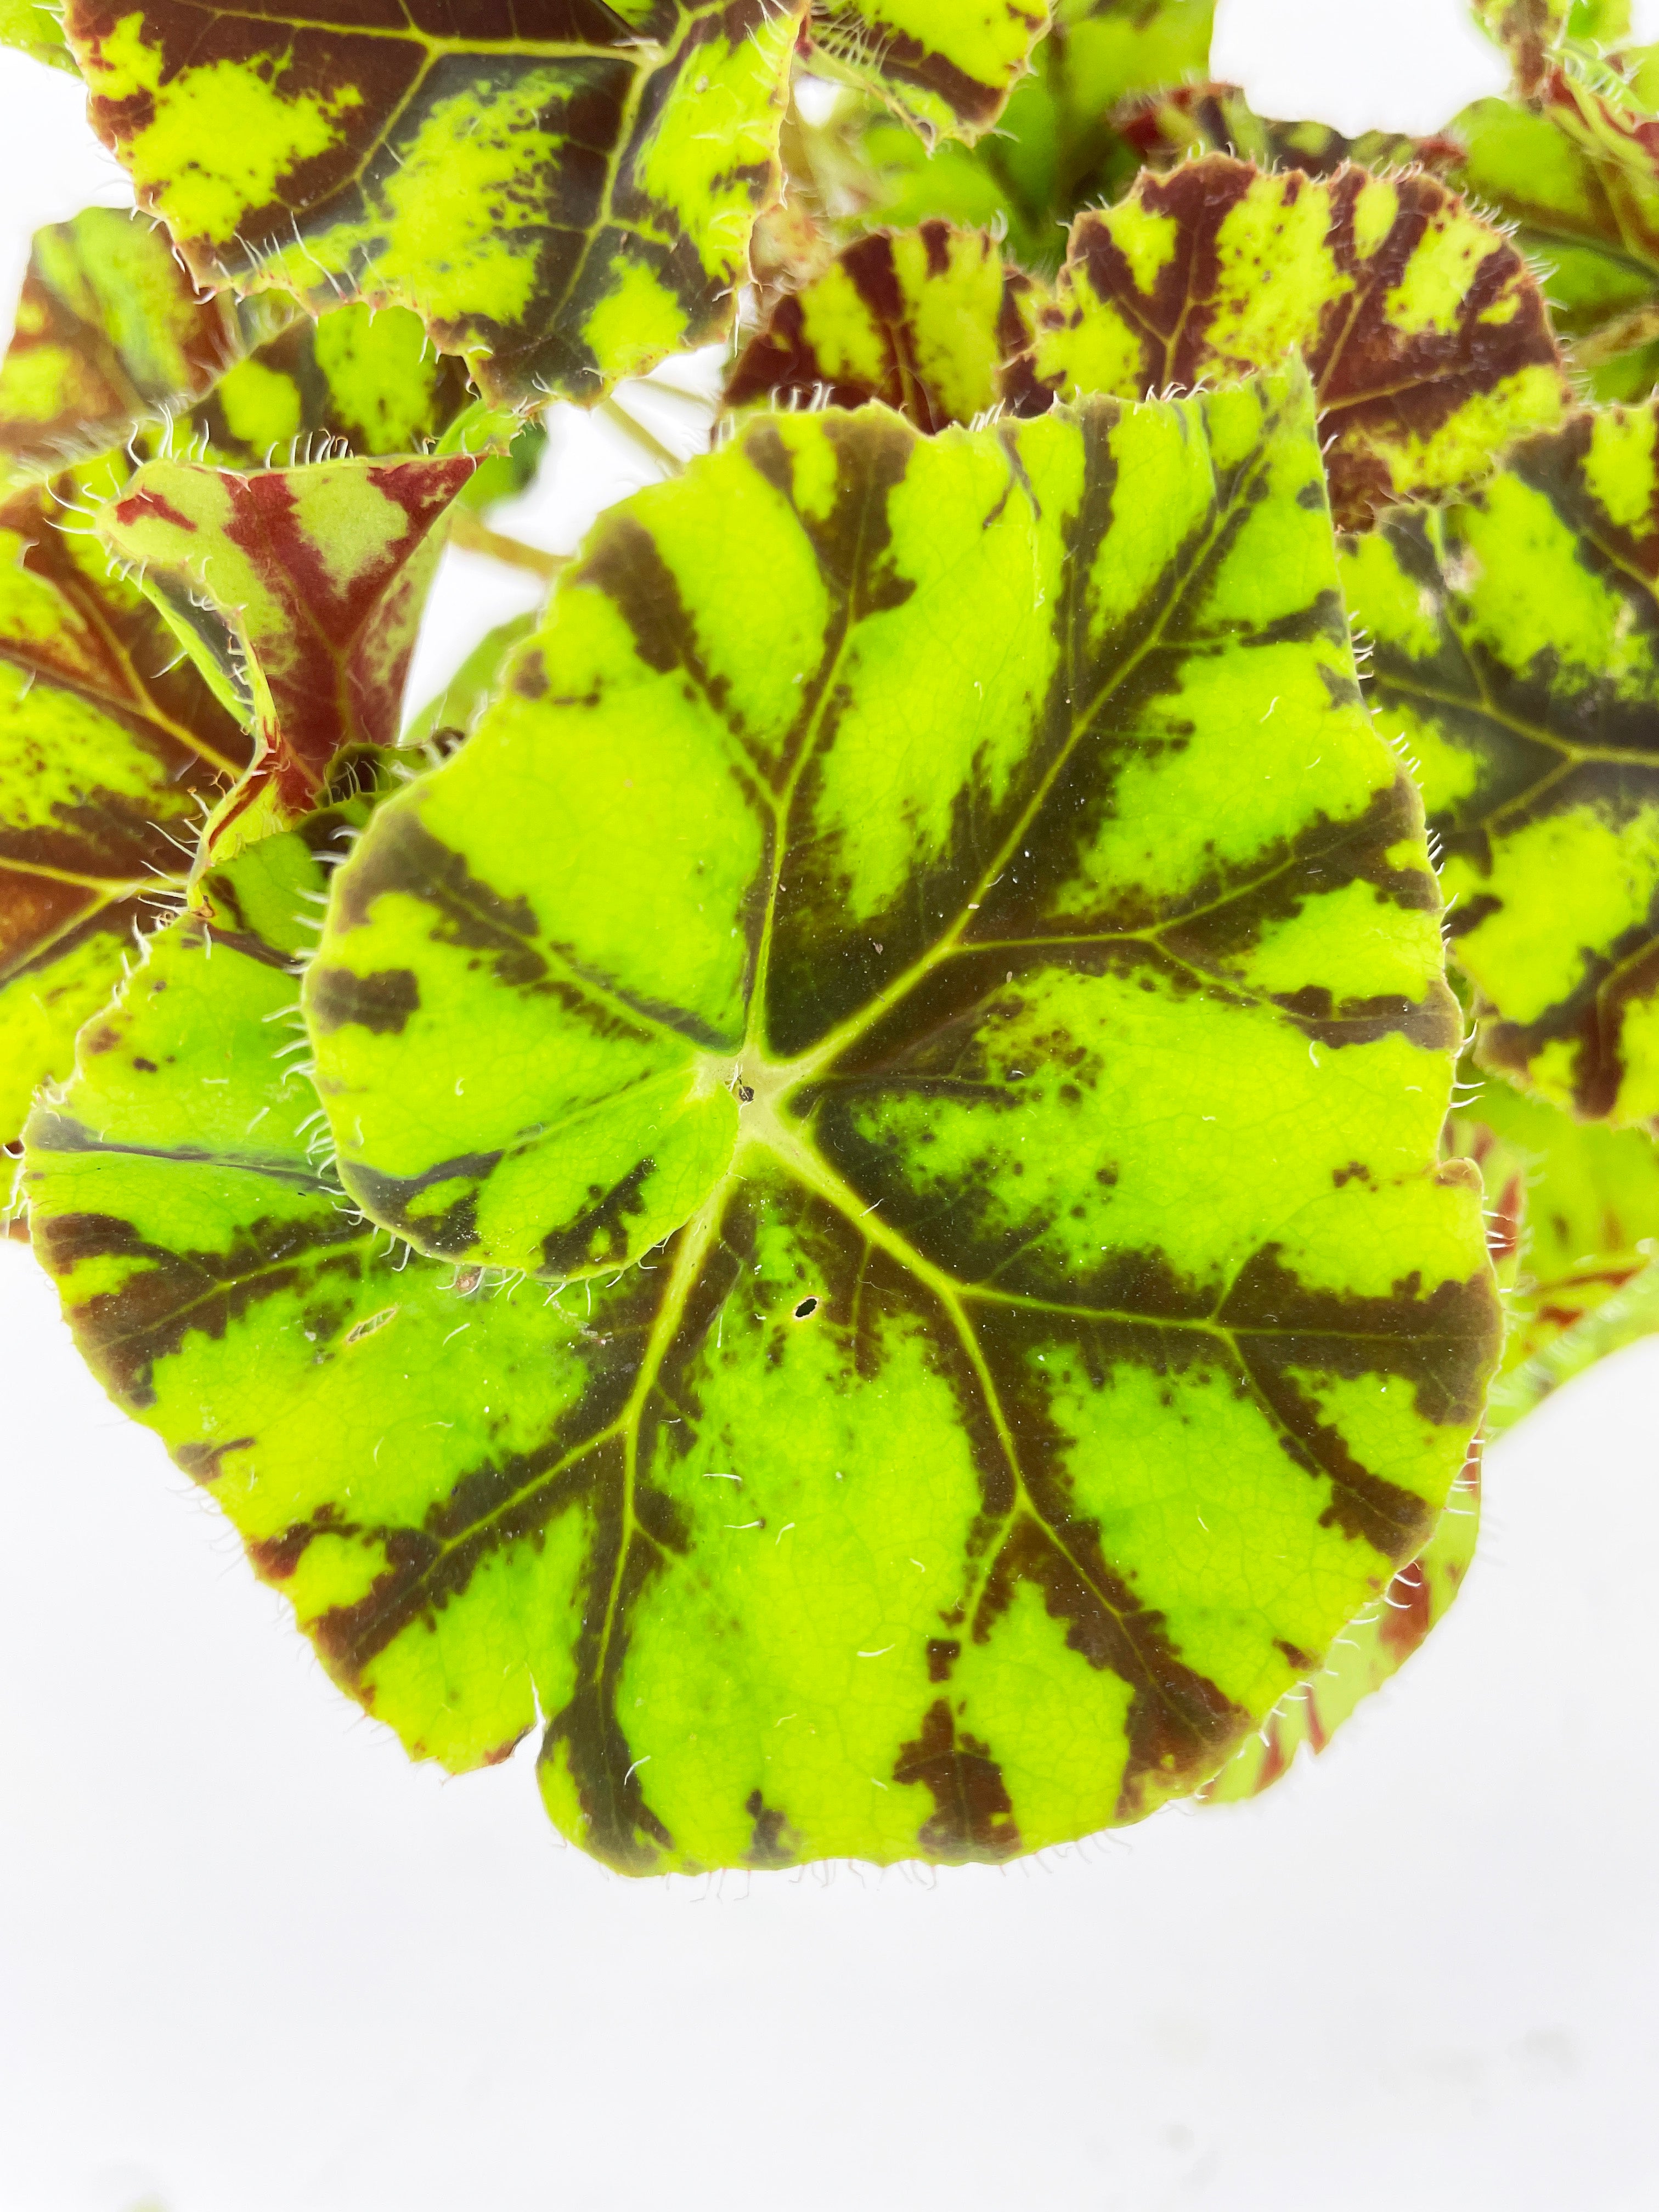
1058	147
1424	330
563	208
37	29
1515	663
948	68
300	589
110	751
939	977
1370	1651
110	330
924	320
1575	1230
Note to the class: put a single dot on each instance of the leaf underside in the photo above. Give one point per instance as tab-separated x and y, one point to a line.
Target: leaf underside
1515	662
299	589
1012	1315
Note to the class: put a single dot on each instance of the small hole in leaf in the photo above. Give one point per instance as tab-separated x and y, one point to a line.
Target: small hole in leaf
807	1306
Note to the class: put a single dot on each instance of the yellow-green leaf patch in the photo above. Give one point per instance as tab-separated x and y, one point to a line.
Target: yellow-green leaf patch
1516	664
948	68
1369	1652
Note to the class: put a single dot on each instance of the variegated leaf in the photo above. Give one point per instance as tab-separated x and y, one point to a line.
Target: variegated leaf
948	68
110	330
1424	330
1059	1324
110	751
924	320
352	379
563	206
1515	662
300	590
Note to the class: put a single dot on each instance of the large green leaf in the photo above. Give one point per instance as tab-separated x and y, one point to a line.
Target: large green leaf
1575	1229
957	911
110	330
925	319
109	753
1515	662
563	209
1057	149
1425	330
297	590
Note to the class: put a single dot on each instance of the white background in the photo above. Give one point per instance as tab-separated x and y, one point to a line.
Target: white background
252	1961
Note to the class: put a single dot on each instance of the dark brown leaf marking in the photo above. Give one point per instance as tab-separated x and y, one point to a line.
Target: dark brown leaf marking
170	1294
382	1002
974	1815
774	1842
